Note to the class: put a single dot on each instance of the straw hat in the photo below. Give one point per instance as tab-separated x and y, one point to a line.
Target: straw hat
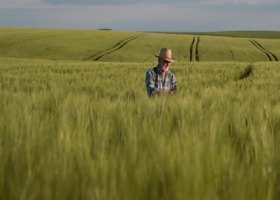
166	54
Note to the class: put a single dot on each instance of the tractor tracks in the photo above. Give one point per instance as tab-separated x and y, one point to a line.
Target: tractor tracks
194	53
116	47
269	54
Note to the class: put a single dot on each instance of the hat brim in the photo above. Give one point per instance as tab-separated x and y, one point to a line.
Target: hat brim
167	59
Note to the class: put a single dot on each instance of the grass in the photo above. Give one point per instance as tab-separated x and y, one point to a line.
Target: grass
57	44
75	128
87	130
237	34
115	46
228	49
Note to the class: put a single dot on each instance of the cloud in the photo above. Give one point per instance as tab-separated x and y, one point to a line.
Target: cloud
117	2
176	15
50	3
23	4
131	2
234	1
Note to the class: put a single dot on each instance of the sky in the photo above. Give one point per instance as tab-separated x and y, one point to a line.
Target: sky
143	15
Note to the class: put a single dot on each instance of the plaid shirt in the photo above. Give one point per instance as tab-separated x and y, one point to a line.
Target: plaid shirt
167	85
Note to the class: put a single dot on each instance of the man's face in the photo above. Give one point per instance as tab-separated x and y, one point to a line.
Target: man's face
163	65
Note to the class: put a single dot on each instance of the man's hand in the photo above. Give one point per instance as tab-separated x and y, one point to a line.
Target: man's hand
172	93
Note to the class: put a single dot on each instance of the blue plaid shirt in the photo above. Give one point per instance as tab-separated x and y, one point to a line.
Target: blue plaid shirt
167	85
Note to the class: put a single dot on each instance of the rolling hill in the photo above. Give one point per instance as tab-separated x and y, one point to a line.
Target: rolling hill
117	46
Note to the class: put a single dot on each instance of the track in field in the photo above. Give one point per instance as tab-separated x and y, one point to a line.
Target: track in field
116	47
269	54
194	53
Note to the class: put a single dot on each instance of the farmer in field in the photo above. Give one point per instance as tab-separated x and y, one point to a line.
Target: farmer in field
159	80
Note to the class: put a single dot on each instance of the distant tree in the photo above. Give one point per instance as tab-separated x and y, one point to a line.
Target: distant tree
105	29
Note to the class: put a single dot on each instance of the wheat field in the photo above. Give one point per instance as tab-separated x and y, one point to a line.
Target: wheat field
88	130
136	47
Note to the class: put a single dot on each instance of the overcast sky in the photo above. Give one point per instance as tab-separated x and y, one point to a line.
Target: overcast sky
143	15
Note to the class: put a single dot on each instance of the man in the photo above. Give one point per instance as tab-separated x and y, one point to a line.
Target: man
158	79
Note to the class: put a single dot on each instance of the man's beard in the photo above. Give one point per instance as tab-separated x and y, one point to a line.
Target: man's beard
164	69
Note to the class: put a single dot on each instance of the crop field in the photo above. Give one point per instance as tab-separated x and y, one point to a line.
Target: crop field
76	121
113	46
240	34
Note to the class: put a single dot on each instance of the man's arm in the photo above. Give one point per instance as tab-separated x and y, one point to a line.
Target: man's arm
173	86
150	83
